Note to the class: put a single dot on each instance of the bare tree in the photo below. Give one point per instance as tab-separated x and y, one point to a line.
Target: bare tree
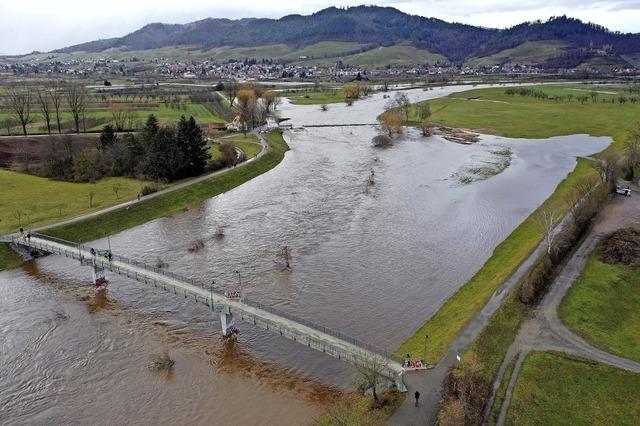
246	108
370	373
548	218
55	94
44	102
424	113
20	214
231	90
632	149
117	187
401	101
607	166
76	100
60	206
19	102
8	124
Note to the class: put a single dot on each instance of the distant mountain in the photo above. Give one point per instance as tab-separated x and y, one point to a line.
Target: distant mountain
381	26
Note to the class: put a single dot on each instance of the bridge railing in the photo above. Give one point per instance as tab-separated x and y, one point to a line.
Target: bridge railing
321	328
245	300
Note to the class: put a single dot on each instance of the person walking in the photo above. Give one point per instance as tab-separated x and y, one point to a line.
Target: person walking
417	396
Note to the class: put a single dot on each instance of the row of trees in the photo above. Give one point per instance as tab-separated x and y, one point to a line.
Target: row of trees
583	99
24	103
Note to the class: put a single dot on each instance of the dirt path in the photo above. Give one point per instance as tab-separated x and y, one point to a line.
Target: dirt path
545	331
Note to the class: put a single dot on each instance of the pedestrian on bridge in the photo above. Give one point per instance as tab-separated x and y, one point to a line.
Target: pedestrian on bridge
417	396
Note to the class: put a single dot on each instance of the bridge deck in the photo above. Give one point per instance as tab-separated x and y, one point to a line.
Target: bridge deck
312	335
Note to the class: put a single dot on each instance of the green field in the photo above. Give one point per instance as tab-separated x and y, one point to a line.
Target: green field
100	111
527	52
172	202
602	307
521	117
554	389
46	201
249	144
316	97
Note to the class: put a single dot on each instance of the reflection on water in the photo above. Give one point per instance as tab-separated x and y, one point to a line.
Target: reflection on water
374	264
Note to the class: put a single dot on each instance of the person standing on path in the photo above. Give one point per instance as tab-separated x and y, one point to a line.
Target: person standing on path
417	396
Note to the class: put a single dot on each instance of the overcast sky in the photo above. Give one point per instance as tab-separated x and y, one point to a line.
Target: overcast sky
28	25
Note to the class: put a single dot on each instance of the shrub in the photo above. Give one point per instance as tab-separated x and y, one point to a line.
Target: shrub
149	189
382	141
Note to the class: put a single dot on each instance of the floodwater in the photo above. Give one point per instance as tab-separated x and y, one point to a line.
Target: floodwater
373	261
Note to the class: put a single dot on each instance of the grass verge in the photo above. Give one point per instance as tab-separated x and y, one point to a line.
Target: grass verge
361	410
554	389
146	210
43	201
602	307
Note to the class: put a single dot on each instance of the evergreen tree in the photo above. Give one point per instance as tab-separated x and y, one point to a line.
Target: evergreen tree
164	159
150	129
193	145
107	137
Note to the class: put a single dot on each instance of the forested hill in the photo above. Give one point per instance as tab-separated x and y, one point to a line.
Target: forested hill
369	24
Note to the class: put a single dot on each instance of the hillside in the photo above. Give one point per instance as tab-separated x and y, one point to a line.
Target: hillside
375	27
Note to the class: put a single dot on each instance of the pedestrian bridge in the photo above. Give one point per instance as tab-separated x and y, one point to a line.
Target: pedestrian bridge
314	336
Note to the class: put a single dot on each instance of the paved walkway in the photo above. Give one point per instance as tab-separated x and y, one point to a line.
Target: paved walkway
429	382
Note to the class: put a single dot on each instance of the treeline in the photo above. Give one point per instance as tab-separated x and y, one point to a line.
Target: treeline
583	99
53	103
160	153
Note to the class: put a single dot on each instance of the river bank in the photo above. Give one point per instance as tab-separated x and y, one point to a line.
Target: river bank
133	214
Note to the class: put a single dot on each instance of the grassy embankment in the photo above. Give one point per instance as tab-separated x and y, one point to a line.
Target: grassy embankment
41	201
249	144
8	258
521	117
44	201
602	307
554	389
172	202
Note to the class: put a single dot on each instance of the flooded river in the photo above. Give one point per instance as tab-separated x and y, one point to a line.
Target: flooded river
372	260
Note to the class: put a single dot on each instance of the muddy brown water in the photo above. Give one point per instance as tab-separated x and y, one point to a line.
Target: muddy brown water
373	261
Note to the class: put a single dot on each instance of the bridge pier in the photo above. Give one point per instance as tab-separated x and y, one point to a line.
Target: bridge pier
99	276
227	321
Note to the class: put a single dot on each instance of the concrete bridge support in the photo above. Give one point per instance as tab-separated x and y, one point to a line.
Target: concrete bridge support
227	321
